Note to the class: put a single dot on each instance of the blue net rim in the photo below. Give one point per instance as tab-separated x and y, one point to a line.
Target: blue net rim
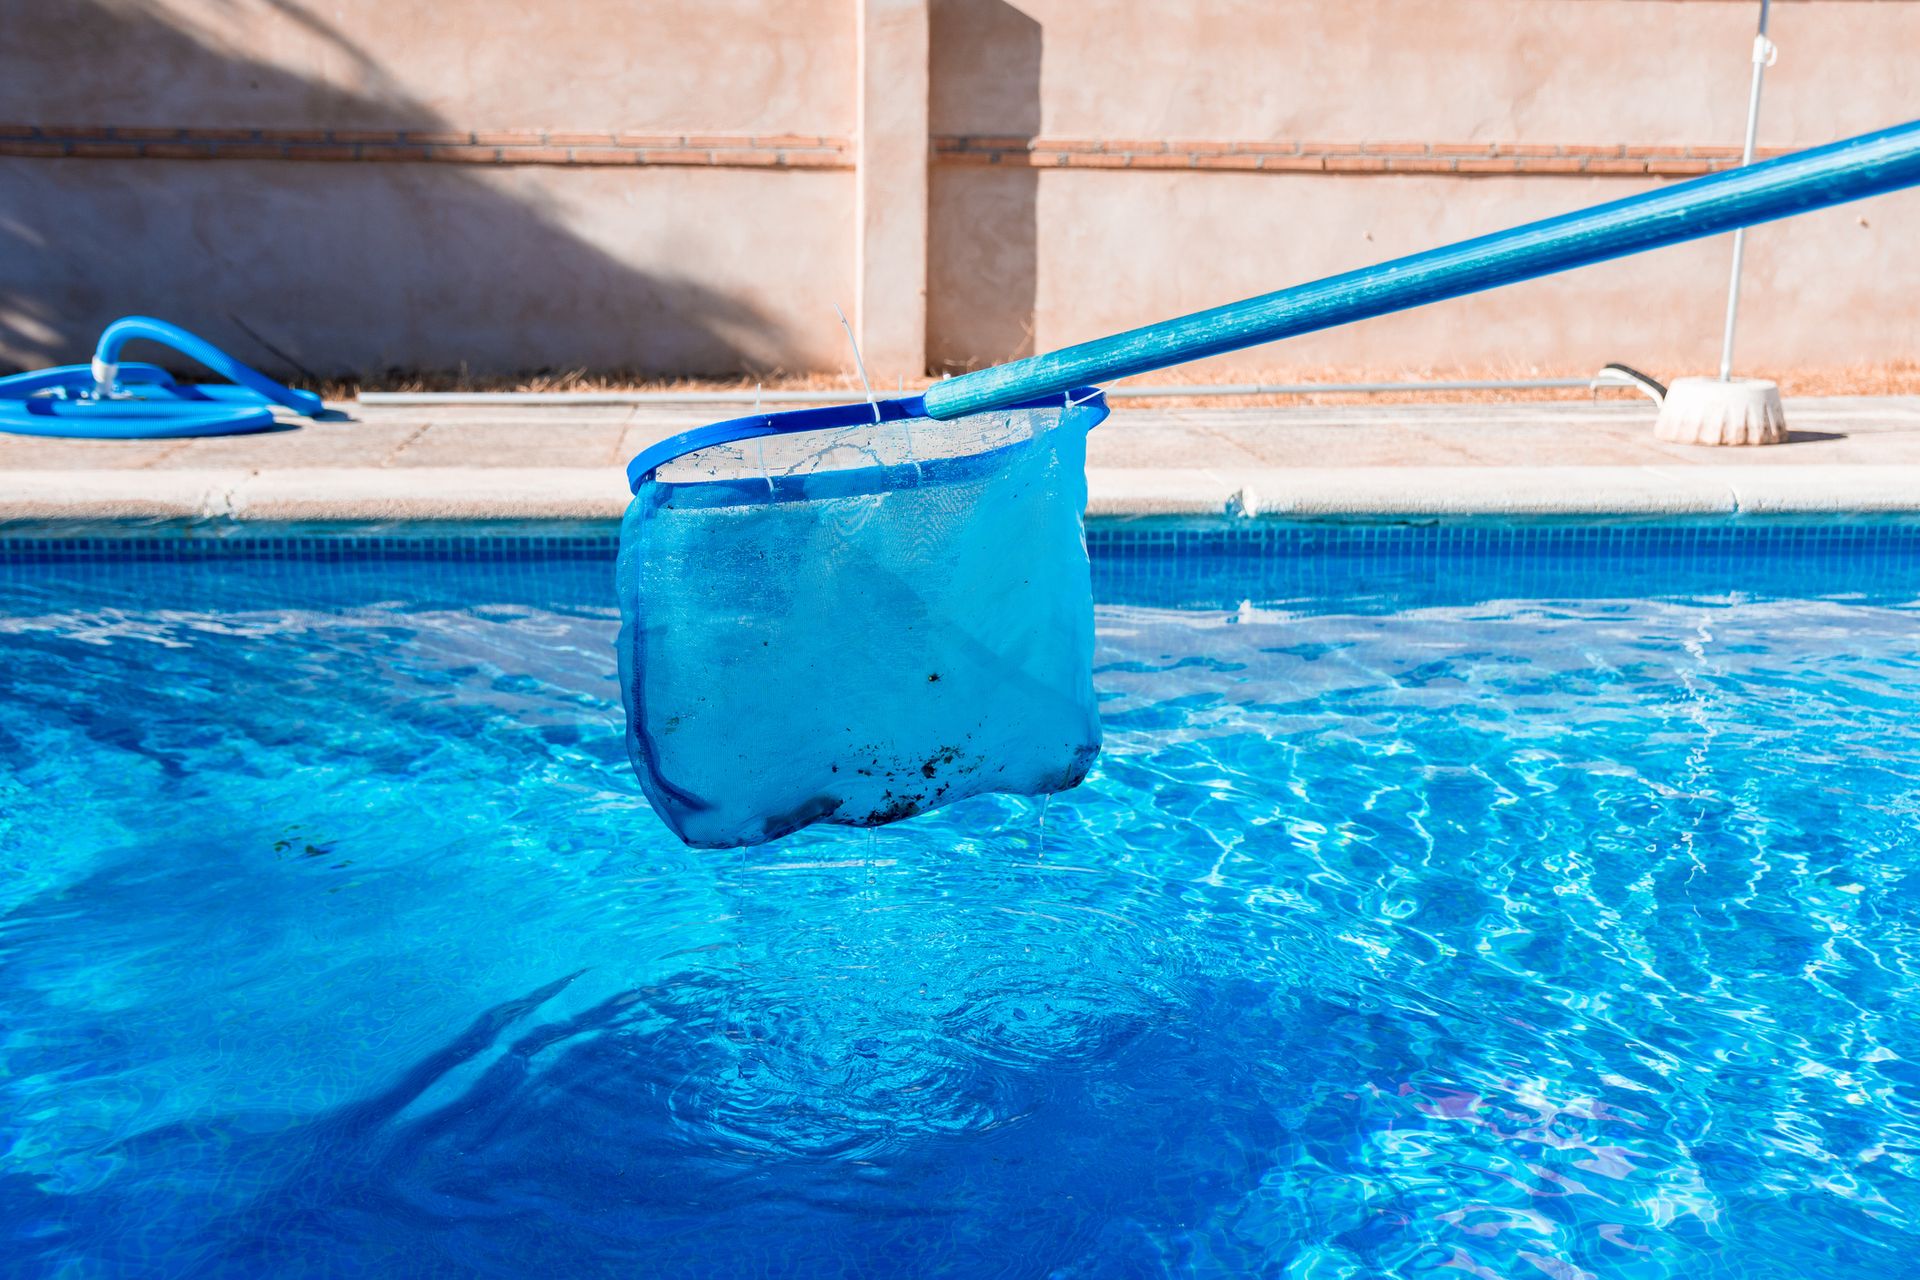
760	425
850	483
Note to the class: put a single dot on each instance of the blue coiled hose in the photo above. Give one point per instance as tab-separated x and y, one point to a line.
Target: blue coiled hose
106	400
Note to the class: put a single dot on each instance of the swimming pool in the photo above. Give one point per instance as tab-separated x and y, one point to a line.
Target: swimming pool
1474	900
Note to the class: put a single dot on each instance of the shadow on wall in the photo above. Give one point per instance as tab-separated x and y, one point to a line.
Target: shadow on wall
983	223
327	269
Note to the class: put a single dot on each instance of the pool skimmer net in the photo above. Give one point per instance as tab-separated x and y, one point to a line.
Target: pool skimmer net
857	614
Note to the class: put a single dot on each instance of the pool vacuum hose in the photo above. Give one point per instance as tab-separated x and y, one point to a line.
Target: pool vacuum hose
109	400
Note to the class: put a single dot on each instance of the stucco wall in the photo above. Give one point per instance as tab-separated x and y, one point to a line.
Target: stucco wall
376	267
367	266
749	66
669	187
1526	70
1120	249
1029	259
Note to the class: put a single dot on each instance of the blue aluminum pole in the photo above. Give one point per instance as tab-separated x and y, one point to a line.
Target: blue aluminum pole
1868	165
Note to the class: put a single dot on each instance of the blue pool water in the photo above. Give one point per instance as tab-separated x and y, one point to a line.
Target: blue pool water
1453	903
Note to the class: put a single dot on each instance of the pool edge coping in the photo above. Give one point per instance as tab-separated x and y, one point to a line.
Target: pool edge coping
478	494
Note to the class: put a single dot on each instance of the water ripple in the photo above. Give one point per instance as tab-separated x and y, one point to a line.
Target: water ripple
1570	937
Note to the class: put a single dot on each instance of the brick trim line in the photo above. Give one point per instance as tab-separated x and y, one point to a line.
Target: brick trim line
1465	159
497	147
812	151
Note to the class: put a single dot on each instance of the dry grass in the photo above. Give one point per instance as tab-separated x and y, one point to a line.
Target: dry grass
1897	378
584	380
1894	378
1900	378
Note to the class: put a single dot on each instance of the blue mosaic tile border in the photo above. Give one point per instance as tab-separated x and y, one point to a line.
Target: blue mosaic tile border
1104	538
1155	564
307	547
1139	541
1224	565
1259	537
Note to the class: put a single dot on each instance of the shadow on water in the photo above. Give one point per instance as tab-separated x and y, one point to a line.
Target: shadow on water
626	1134
371	267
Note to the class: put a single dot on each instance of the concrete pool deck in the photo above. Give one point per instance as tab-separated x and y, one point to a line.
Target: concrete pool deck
1856	454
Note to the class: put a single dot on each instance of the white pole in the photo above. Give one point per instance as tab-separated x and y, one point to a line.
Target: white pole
1764	53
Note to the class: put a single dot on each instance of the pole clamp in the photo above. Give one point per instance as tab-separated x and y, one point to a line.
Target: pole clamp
1765	51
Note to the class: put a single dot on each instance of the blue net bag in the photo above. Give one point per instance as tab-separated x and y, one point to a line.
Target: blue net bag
829	618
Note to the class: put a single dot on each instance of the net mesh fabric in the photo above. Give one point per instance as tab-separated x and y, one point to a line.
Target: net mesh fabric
859	624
